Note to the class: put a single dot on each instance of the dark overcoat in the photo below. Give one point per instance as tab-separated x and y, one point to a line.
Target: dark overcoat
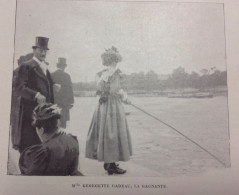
64	98
28	80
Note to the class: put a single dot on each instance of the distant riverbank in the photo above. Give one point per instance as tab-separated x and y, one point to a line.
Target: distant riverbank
189	92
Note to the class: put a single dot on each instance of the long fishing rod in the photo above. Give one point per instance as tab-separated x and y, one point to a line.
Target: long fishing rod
179	133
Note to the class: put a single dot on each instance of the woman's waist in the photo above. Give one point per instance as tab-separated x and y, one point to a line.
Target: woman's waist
108	94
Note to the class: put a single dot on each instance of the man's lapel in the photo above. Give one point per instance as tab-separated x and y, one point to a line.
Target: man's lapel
49	76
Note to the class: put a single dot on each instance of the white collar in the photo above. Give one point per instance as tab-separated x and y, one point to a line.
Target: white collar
38	61
42	65
107	74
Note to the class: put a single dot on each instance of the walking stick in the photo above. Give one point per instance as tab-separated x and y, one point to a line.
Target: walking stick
179	133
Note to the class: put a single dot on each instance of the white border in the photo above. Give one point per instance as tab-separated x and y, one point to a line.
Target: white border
215	182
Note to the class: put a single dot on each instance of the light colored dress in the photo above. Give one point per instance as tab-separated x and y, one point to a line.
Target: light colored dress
108	138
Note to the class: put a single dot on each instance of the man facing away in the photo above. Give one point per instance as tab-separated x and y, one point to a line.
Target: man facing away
34	86
64	98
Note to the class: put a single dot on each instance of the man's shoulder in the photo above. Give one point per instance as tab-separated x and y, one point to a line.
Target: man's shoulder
68	75
60	74
56	72
29	63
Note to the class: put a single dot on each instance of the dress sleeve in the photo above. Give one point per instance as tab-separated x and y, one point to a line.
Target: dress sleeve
34	160
121	91
101	85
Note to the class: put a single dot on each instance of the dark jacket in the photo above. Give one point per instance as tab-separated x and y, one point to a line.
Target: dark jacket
57	156
65	95
64	98
28	80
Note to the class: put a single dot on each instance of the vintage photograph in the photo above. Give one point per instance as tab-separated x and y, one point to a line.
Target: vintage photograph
119	89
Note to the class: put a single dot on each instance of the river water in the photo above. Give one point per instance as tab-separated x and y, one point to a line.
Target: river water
160	148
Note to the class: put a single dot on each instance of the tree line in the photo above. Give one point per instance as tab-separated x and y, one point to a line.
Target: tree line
178	79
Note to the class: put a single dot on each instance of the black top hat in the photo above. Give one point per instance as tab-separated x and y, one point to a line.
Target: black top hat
41	42
61	63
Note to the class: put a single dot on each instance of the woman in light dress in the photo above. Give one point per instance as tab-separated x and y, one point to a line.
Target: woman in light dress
108	139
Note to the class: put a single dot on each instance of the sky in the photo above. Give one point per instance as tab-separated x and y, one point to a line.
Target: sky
158	36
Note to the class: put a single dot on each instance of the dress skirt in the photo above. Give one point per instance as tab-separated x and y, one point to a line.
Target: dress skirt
108	138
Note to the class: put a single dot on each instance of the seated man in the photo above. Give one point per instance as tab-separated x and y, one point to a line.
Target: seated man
58	153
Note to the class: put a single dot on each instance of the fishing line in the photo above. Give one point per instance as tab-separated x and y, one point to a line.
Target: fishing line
179	133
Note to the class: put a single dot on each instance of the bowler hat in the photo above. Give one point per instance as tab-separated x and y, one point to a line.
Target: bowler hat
61	63
41	42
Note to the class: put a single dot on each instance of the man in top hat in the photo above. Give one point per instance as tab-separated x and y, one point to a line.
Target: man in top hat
34	86
64	98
